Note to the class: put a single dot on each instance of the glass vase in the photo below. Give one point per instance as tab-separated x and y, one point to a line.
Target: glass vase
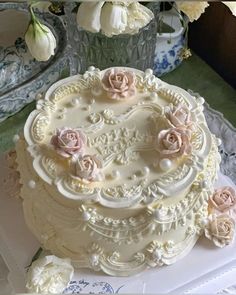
136	51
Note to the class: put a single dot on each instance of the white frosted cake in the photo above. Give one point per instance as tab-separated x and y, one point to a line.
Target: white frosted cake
116	169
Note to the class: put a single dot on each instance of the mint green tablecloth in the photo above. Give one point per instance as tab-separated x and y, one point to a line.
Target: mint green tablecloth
193	74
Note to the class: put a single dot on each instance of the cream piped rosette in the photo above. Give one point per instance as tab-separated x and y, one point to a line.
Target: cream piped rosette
220	226
220	229
49	275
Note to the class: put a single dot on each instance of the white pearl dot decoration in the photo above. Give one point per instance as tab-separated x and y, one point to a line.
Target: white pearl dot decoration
92	101
91	68
157	254
32	184
204	222
133	177
86	216
218	141
88	108
153	96
165	164
15	138
145	171
74	101
96	91
94	259
147	200
149	72
204	184
200	100
115	174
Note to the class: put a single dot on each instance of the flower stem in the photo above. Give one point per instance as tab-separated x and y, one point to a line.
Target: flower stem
33	17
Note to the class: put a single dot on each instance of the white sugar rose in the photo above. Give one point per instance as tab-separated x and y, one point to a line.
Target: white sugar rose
68	141
49	275
119	84
88	168
178	116
220	229
223	199
173	143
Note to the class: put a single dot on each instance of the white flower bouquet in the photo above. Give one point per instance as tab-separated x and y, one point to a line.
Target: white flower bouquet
110	18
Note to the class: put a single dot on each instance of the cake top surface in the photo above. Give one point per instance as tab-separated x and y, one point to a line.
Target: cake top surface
120	137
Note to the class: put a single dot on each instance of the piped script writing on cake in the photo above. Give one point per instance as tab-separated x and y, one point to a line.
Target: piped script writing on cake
123	165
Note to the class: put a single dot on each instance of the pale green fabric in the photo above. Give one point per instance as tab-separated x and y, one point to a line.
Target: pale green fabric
192	74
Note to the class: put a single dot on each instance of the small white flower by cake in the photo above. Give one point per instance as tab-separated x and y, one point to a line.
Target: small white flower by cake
68	142
49	275
223	199
88	168
220	229
173	143
178	116
119	84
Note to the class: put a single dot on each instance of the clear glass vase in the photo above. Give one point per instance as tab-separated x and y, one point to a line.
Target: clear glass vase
136	51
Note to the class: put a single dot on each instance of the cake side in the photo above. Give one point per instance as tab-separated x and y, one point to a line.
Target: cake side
80	232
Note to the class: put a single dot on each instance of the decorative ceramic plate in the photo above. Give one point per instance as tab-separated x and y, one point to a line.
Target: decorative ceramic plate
21	76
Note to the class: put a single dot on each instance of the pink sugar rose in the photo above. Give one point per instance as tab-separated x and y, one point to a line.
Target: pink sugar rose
68	141
178	116
119	84
173	143
223	199
88	168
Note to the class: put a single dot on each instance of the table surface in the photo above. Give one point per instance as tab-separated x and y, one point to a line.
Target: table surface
192	74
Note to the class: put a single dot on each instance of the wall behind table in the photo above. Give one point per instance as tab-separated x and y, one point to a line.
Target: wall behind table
213	38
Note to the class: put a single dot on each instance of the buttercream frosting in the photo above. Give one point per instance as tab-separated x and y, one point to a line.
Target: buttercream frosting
116	202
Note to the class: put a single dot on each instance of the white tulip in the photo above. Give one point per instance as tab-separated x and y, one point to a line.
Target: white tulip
88	16
138	17
113	19
49	275
40	41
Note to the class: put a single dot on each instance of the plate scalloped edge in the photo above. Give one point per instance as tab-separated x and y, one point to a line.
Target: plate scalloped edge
224	130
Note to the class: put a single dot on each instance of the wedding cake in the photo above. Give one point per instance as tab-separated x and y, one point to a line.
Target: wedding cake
116	169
